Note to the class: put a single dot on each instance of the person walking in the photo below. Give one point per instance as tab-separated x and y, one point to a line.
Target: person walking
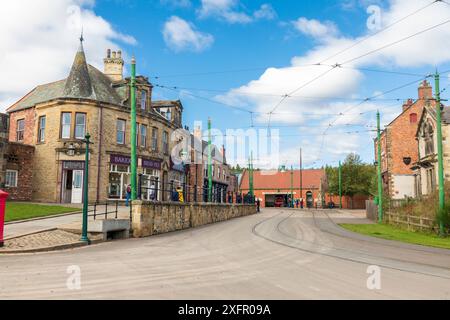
128	195
258	205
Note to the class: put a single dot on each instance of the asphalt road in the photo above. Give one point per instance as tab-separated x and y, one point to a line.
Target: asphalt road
279	254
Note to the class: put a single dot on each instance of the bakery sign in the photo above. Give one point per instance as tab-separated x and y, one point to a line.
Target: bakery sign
120	160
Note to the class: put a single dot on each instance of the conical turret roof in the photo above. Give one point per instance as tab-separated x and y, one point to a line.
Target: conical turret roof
78	84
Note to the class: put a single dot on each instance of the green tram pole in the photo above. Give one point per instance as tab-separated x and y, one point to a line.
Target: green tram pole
210	184
251	181
84	229
440	153
292	187
340	185
380	183
133	131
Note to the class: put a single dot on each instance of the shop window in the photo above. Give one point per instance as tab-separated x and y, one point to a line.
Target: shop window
413	118
11	178
20	130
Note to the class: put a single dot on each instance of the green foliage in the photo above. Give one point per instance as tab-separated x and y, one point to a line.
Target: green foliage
19	211
357	177
393	233
443	216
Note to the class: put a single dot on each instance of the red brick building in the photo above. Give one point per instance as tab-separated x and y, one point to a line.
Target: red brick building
399	147
274	188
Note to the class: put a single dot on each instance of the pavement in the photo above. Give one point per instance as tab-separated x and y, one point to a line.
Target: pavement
278	254
70	220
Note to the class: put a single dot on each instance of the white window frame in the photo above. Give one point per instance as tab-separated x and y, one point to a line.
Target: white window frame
123	132
20	132
155	139
7	178
143	136
64	125
143	99
83	125
41	130
166	142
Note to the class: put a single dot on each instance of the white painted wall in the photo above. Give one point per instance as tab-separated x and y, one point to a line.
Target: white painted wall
404	186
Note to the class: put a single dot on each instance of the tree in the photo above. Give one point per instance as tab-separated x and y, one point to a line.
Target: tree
357	177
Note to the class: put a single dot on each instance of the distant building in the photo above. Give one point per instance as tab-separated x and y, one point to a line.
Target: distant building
426	168
16	165
399	148
197	176
54	118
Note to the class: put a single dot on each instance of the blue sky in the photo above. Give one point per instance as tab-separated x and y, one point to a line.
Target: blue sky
175	41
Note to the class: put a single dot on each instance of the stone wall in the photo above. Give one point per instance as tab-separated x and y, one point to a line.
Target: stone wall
157	218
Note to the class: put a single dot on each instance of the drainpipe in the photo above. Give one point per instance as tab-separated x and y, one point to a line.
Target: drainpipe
100	144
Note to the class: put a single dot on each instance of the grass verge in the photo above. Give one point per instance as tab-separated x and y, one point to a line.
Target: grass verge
22	211
393	233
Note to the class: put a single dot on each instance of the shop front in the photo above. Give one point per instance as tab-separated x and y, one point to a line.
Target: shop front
150	179
72	182
119	177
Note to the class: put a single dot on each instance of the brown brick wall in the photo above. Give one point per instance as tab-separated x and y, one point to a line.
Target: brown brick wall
29	135
20	158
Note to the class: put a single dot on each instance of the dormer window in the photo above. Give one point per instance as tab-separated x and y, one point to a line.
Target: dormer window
143	99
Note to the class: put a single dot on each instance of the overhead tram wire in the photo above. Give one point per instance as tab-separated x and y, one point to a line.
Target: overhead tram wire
397	42
359	57
179	90
380	31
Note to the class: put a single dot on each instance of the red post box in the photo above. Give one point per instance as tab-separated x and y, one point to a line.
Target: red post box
3	197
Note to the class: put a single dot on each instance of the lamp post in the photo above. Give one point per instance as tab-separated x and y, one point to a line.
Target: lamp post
133	131
84	229
440	154
340	185
210	183
380	183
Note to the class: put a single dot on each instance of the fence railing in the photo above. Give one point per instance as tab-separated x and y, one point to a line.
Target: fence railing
414	223
173	192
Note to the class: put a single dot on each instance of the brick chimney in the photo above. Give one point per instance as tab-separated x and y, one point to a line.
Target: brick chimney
114	65
408	103
425	91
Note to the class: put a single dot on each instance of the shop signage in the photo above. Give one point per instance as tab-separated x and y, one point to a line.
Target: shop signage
151	164
73	165
120	160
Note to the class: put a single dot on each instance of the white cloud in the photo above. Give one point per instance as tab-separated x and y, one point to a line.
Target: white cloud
265	12
425	50
228	10
180	35
41	49
177	3
315	28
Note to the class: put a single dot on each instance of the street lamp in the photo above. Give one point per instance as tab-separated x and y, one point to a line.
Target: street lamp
84	229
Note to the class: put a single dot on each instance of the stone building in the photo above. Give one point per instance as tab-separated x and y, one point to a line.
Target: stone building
54	118
198	170
426	168
399	149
